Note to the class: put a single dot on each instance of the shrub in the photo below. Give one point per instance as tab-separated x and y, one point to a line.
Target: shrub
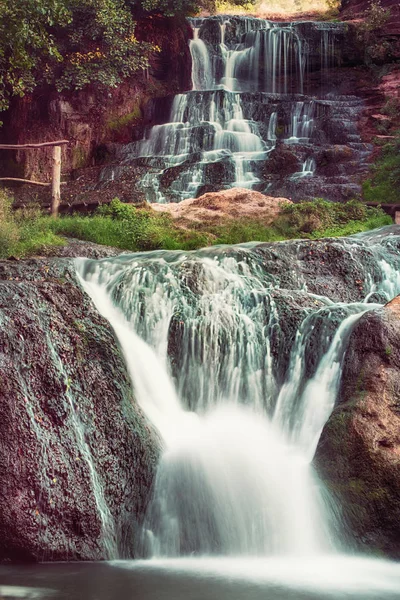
322	218
376	16
384	184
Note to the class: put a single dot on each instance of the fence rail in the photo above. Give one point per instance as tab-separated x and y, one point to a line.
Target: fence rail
56	172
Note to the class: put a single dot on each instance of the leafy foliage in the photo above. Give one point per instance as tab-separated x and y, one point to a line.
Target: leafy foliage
375	17
99	45
384	185
27	43
74	43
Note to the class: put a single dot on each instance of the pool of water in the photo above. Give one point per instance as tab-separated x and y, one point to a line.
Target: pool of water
314	578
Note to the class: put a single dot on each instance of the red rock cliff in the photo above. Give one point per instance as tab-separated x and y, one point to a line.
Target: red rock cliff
89	118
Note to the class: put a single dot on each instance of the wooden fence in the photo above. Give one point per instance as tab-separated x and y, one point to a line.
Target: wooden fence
56	172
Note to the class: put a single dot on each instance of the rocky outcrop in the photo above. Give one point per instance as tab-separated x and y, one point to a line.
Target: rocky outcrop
359	452
216	207
77	456
91	119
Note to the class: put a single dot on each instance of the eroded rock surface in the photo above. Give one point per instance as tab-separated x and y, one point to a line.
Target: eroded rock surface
359	451
227	204
77	456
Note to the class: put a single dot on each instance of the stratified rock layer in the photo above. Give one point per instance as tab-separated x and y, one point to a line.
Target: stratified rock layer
77	456
359	451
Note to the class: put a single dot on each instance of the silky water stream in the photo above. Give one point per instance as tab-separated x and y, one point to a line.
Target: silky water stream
260	90
239	392
237	364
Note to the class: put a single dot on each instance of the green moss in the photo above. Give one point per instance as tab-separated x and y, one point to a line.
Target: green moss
116	124
384	184
79	157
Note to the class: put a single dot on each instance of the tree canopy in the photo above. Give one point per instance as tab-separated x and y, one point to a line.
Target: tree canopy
73	43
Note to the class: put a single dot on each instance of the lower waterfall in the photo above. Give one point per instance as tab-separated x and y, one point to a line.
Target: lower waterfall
239	371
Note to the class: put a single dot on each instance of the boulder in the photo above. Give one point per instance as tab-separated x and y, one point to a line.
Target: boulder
358	456
77	455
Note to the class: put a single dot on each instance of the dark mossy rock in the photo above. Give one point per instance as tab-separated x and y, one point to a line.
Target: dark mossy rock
77	456
358	456
282	162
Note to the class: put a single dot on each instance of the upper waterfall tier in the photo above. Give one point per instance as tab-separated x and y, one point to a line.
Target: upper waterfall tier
246	122
271	59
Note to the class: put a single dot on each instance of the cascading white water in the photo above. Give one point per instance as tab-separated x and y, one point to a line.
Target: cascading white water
208	125
247	99
269	58
301	122
198	332
201	71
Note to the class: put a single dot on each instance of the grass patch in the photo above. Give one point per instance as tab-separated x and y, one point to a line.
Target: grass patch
128	227
384	184
21	232
328	219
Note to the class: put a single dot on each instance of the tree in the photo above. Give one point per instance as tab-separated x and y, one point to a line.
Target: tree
27	43
99	45
73	43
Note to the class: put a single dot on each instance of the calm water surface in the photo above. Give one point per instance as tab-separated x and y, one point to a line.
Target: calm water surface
333	578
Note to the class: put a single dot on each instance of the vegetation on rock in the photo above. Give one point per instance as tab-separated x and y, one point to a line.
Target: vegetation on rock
376	16
384	183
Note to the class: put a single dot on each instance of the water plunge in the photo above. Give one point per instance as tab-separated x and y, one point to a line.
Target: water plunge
201	334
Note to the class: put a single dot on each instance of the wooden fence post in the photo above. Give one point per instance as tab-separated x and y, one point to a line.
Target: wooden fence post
56	182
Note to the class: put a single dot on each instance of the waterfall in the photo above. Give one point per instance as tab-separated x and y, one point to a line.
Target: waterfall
249	80
205	340
201	71
301	122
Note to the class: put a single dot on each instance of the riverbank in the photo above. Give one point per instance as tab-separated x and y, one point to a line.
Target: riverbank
28	232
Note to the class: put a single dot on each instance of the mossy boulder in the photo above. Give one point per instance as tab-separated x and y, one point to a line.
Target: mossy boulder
358	456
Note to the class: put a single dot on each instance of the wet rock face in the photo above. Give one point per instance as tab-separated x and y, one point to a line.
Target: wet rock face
77	456
295	277
358	454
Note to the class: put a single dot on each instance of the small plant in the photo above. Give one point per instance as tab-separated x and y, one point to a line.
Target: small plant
376	16
391	108
384	183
